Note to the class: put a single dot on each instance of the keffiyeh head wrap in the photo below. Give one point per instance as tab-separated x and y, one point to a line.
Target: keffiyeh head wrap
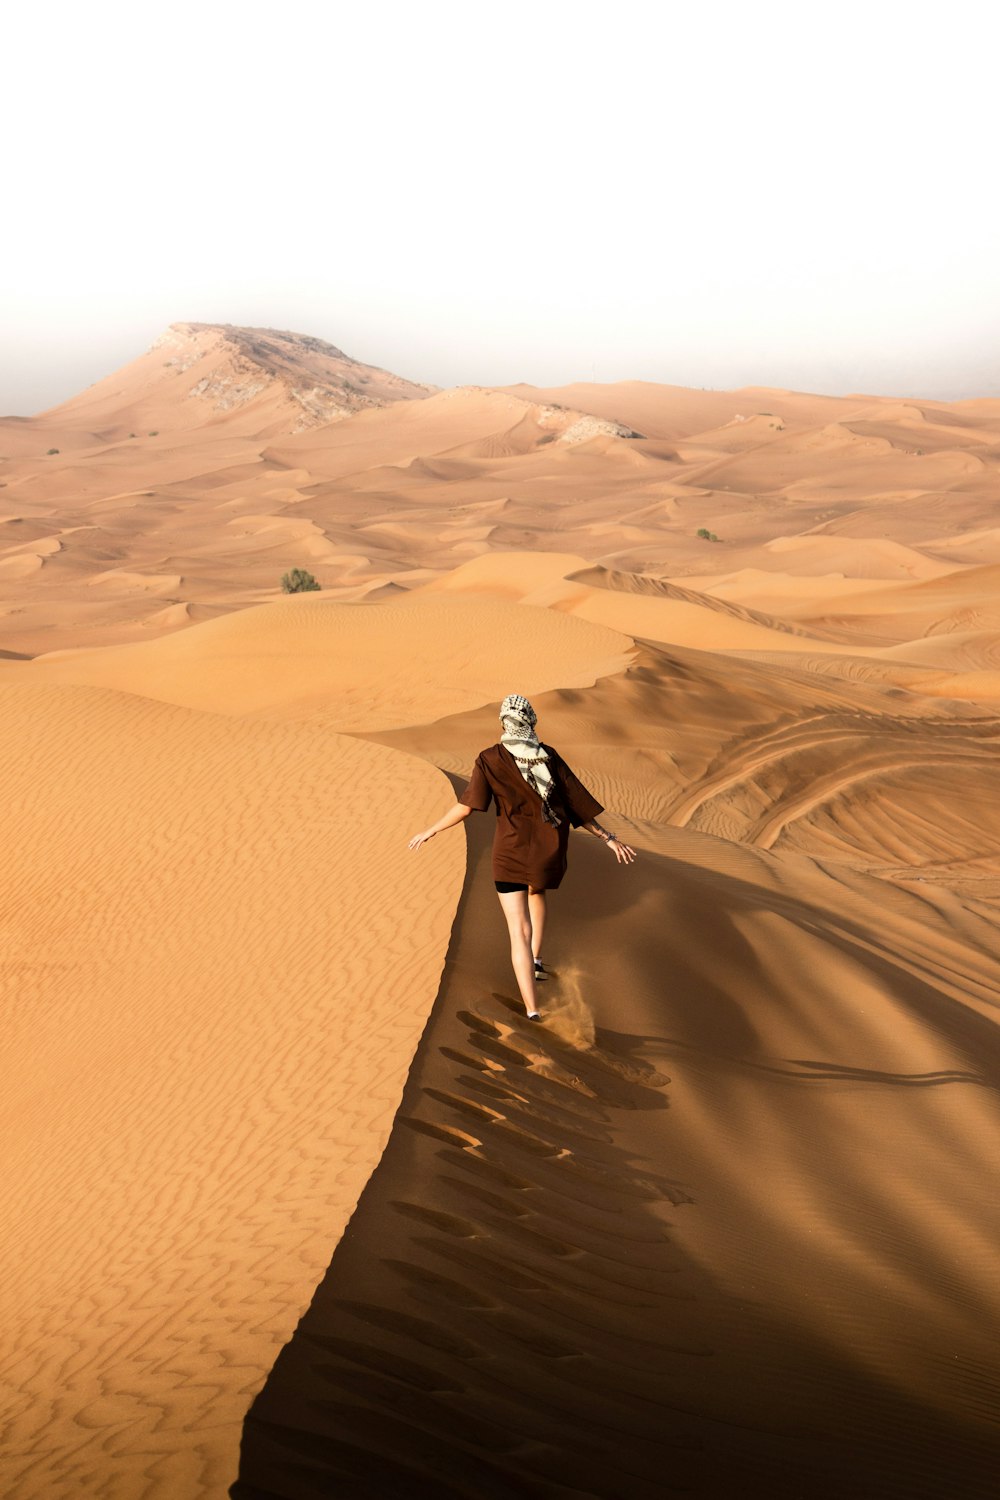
519	719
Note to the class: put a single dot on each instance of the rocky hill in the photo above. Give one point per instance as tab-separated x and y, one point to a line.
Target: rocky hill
263	380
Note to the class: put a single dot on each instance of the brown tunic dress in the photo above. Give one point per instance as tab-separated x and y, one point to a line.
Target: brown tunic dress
528	850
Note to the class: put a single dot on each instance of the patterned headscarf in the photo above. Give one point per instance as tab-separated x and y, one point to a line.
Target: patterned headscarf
519	719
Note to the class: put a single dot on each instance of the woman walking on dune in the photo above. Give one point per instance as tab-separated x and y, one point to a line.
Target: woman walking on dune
537	800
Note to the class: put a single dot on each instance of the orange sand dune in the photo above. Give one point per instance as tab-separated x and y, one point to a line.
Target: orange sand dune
761	754
465	423
971	547
162	468
811	556
724	1222
356	665
672	411
668	613
950	620
949	590
210	1011
777	592
563	584
712	1221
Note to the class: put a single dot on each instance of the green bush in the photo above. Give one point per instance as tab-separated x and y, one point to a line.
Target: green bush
706	535
154	434
51	451
298	581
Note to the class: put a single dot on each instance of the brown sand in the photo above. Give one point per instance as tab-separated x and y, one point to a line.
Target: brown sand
725	1223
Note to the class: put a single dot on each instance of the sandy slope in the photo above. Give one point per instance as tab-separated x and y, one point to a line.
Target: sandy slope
209	1013
720	1226
218	967
352	665
786	1281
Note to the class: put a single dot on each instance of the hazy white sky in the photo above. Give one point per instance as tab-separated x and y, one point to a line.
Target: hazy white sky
801	193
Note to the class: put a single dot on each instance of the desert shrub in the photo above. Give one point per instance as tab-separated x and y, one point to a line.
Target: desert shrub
51	451
298	581
155	434
706	535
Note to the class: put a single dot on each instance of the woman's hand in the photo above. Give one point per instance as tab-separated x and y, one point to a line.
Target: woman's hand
451	819
623	853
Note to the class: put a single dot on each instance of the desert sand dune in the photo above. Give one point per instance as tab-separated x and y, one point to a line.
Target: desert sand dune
754	753
940	591
853	463
209	1013
949	620
970	547
463	422
974	687
723	1223
414	481
674	412
656	611
811	556
775	592
562	1304
351	663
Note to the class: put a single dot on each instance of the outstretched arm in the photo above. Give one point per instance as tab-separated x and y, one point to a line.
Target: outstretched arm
454	815
623	853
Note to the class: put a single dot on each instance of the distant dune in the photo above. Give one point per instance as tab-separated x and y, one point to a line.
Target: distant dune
198	474
297	1203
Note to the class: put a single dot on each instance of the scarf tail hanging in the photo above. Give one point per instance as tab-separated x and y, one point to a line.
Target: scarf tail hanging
519	738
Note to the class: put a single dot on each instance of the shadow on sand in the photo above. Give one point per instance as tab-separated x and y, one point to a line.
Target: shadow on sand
510	1315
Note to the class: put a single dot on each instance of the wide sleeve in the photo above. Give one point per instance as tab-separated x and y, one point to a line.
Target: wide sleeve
581	806
478	794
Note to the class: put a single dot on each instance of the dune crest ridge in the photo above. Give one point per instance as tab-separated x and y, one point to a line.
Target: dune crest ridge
667	1251
350	664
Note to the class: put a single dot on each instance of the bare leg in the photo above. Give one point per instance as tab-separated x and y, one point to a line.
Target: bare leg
515	909
536	910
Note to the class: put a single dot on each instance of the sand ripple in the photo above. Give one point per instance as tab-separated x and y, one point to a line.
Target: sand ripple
209	1012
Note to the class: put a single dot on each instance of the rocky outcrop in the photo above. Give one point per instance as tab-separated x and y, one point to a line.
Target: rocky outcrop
264	381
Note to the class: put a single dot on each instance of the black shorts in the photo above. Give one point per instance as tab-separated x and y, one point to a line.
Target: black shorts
504	887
